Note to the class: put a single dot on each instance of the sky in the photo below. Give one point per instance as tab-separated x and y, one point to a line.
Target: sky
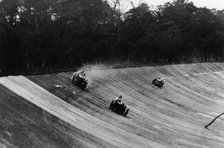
218	4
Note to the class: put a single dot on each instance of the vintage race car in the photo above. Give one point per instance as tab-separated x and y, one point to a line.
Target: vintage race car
80	80
158	82
119	108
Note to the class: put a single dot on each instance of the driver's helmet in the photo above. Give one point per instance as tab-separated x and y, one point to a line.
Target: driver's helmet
119	99
82	74
159	79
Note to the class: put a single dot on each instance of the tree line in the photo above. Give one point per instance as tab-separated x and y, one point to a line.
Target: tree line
35	34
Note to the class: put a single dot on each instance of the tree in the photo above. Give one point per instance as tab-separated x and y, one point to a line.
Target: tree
179	11
204	27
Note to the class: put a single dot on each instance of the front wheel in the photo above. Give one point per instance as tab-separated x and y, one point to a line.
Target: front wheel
153	81
112	105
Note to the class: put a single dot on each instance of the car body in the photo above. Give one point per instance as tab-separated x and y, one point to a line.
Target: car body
79	80
119	108
158	82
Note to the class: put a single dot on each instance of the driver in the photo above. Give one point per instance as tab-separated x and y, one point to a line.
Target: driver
78	75
82	74
119	100
159	79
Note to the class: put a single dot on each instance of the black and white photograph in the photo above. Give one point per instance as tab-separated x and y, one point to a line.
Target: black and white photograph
111	73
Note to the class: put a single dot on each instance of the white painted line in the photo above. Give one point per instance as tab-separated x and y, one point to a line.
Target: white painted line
58	86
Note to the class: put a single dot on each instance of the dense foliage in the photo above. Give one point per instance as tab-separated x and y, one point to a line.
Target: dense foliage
43	33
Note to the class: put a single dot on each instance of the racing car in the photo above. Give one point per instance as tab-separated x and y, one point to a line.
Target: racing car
158	82
119	108
79	79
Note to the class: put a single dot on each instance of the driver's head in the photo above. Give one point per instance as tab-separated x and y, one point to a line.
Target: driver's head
120	97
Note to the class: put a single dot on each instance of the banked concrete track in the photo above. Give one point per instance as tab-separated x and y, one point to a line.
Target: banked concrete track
48	111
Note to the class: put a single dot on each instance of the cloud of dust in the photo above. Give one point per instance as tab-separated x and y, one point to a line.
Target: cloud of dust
94	72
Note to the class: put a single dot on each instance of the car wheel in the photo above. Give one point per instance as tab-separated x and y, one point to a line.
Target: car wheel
111	105
126	112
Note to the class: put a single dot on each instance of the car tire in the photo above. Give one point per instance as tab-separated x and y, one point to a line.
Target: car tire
111	105
126	112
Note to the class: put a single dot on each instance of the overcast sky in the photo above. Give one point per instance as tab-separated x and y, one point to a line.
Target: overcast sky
218	4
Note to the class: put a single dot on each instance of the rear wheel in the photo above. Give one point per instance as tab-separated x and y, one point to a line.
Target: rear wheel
126	112
161	84
124	109
84	85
